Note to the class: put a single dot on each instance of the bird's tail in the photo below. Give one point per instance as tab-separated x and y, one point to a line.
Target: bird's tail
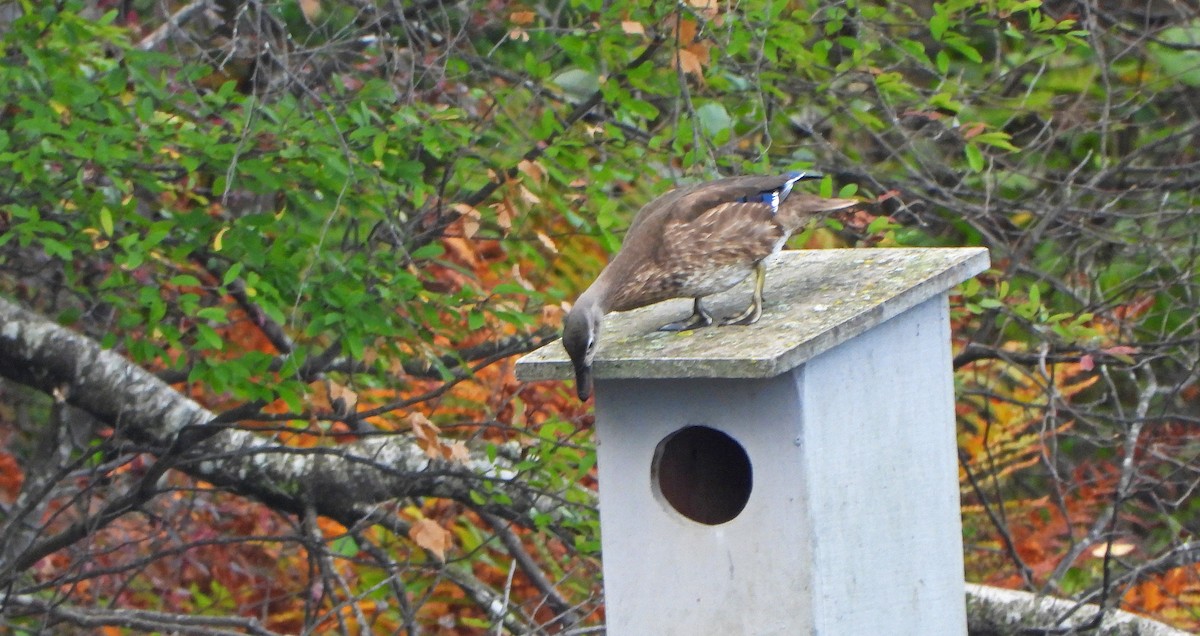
799	208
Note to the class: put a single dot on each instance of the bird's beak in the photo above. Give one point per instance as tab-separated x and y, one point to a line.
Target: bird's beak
583	381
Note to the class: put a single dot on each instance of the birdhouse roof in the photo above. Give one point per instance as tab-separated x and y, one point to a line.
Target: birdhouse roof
814	300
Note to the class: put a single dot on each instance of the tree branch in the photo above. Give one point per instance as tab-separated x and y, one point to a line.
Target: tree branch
142	620
173	24
448	216
335	479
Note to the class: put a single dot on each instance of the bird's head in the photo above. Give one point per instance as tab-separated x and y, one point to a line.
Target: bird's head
580	331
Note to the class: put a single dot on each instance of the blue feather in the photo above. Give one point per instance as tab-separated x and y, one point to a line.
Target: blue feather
779	195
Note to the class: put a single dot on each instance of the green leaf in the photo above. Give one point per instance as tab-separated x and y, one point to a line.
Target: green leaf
207	338
1074	580
185	280
578	84
996	139
880	224
379	146
938	24
965	49
428	251
106	221
974	157
232	273
971	287
713	118
215	314
641	108
344	546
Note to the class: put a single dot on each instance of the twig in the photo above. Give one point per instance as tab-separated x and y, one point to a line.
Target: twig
141	620
512	543
448	216
1009	545
173	24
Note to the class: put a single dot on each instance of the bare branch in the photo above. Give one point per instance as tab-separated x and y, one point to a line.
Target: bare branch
146	620
168	29
336	480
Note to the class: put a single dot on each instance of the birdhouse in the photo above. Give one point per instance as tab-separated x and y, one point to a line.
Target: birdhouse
794	476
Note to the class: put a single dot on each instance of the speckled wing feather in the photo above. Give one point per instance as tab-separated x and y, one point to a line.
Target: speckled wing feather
701	252
692	200
733	232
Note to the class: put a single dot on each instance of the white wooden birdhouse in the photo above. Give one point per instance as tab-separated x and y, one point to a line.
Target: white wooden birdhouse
795	476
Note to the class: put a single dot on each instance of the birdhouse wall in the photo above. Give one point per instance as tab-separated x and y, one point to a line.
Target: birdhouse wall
883	480
851	524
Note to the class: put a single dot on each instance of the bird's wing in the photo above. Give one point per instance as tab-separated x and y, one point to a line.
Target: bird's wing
693	200
733	219
734	232
657	265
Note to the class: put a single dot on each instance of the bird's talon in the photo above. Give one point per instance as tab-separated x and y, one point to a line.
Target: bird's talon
699	318
685	325
740	320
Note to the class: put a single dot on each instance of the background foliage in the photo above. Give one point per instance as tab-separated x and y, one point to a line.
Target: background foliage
333	223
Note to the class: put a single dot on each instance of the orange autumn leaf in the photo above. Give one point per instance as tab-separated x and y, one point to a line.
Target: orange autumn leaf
547	242
532	169
1031	551
341	398
552	314
707	8
426	433
633	28
518	278
504	215
687	32
1152	596
1174	581
522	17
431	536
528	196
972	130
456	452
330	529
469	218
462	250
311	9
689	62
11	477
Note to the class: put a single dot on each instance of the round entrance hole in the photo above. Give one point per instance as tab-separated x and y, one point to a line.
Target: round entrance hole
703	474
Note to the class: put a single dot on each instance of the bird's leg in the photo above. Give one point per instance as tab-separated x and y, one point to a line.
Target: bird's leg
754	311
699	318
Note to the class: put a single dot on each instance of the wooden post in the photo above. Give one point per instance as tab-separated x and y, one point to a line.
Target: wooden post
797	476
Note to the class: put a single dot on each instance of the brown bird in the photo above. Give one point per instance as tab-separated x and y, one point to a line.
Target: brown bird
693	242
